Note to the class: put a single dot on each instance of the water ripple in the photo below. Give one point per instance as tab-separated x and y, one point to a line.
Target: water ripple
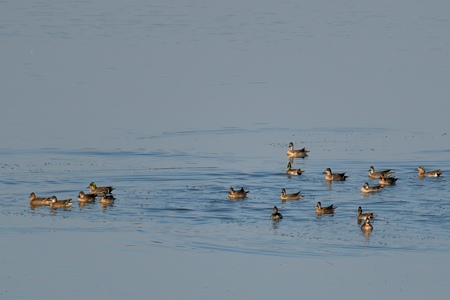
178	199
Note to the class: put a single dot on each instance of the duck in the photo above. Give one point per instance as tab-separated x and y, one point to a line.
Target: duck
376	175
239	194
434	173
300	153
367	226
93	189
107	199
290	171
371	189
39	201
387	180
82	197
334	176
324	210
363	216
294	196
276	215
55	203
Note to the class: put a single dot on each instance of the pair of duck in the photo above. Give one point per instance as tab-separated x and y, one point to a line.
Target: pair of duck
384	176
89	198
328	174
292	153
52	201
366	217
384	179
241	194
319	210
387	173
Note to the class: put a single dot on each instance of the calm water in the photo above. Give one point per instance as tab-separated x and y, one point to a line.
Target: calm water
175	199
173	102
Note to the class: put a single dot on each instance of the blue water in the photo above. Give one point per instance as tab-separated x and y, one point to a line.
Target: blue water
173	102
178	197
173	203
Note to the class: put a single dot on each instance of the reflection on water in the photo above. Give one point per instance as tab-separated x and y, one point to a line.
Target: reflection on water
182	200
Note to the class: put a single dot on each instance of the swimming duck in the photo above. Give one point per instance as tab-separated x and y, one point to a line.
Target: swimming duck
300	153
294	196
324	210
363	216
334	176
367	226
276	215
290	171
107	199
55	203
239	194
82	197
371	189
93	189
387	180
39	201
434	173
376	175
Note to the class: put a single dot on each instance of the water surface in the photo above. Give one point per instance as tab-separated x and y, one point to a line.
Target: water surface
173	102
174	200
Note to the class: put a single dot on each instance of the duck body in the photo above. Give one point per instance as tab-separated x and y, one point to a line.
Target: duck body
239	194
367	226
94	189
363	216
387	180
378	174
294	196
107	199
324	210
371	189
434	173
334	176
82	197
276	215
39	201
55	203
299	153
293	172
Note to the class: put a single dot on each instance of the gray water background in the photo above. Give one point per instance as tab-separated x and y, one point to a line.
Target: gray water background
172	102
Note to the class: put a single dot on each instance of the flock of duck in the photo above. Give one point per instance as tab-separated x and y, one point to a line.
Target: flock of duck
384	177
105	192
